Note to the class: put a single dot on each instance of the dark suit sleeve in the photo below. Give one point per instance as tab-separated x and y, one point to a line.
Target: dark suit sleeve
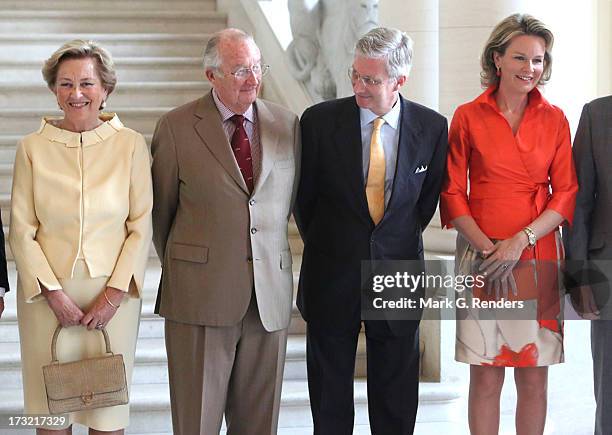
165	184
297	152
307	195
3	272
576	237
430	193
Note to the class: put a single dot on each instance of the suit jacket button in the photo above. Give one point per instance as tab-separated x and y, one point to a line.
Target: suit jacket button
250	259
252	202
253	230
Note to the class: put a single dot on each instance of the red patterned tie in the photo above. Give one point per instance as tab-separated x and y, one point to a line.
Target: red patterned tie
242	151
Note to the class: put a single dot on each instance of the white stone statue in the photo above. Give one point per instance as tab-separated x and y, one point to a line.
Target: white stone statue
324	37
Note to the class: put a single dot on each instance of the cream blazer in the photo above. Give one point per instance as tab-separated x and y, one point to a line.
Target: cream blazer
81	195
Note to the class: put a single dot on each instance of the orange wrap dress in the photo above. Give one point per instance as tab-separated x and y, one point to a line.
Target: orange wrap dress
512	180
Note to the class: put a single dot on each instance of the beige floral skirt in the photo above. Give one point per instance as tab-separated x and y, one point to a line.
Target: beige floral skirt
488	338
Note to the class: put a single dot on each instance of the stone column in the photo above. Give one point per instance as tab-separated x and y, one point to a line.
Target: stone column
418	18
604	36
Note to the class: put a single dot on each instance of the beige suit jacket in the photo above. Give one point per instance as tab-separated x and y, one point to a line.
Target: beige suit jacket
216	242
82	195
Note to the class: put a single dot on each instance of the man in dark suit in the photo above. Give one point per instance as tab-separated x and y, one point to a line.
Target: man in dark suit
372	168
590	239
4	283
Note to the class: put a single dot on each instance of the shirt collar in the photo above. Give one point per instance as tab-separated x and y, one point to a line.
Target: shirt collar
110	125
391	117
227	113
488	97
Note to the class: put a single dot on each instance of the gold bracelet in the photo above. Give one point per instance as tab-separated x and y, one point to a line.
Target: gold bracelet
109	302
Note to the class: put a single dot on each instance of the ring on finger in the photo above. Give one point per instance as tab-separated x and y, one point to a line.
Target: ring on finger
99	325
504	266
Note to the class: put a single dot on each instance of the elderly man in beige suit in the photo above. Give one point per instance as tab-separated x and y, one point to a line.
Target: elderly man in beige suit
224	179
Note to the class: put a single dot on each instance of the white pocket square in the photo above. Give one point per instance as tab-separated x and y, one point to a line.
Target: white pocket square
420	169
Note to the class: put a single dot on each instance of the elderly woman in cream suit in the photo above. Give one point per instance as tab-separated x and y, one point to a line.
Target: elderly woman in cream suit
80	229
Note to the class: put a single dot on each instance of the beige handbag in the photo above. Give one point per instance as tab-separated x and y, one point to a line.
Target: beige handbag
85	384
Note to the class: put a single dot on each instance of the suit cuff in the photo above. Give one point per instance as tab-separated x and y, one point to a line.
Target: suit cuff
2	292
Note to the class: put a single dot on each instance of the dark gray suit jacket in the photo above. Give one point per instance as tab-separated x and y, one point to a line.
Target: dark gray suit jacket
332	214
590	237
588	243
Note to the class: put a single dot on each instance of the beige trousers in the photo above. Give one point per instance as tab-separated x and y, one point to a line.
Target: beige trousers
233	370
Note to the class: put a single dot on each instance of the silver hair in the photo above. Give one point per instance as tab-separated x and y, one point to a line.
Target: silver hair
391	44
80	49
211	58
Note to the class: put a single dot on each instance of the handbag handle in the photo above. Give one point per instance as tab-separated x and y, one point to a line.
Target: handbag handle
57	332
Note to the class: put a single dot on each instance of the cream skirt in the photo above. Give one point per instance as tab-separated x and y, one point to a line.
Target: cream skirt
502	342
36	326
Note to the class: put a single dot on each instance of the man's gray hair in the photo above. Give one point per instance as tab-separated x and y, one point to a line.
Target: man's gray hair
391	44
211	58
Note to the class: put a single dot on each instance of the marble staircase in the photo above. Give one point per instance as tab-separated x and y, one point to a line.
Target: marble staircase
157	46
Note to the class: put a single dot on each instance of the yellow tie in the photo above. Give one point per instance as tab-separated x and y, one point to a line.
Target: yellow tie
375	186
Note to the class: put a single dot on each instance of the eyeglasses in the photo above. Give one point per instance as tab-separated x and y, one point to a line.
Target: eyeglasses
365	80
258	70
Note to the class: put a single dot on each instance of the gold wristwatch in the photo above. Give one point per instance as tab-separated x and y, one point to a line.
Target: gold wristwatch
531	237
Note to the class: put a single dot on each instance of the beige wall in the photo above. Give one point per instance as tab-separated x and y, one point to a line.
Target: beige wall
418	18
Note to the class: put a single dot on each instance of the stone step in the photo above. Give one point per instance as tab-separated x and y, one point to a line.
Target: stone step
131	69
150	406
97	21
151	326
22	121
111	5
6	177
36	95
440	242
151	363
149	292
27	46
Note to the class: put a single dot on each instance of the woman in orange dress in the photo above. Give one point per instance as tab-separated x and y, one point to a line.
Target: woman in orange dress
516	148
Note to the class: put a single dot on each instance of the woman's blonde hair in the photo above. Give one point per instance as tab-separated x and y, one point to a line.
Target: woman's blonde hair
501	36
79	49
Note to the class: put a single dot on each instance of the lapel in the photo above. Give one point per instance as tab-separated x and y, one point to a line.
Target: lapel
408	150
209	127
268	142
347	140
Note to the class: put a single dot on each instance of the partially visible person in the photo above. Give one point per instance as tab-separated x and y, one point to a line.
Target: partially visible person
80	230
225	171
588	240
4	283
516	148
372	169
